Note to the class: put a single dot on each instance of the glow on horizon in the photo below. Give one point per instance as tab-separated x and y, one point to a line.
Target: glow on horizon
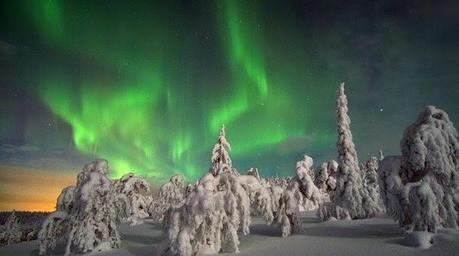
27	189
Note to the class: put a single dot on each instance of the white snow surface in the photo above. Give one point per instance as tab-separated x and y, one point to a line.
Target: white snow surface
375	236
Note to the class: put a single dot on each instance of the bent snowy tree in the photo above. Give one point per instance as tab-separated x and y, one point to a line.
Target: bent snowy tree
135	188
171	194
420	187
300	195
89	223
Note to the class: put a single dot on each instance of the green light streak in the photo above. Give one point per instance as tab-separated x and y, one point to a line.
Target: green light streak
244	52
130	90
108	123
244	45
49	12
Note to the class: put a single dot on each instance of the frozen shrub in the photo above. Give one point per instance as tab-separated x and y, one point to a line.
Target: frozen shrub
331	211
13	231
279	182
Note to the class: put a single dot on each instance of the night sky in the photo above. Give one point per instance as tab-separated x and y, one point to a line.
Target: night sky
148	85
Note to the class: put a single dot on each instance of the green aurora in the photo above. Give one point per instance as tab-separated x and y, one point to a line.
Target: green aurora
147	86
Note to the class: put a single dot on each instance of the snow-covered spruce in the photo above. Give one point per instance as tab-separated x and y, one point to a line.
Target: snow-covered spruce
420	187
215	210
349	194
91	223
300	195
371	182
13	231
136	189
209	220
220	159
171	194
326	177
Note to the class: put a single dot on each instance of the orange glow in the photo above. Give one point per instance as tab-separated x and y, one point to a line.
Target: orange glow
30	189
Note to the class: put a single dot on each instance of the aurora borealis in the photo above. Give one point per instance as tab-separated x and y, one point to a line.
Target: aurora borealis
147	85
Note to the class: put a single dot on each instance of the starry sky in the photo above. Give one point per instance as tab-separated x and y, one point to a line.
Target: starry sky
147	85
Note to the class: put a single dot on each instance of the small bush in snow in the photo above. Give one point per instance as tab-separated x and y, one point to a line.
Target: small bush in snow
13	231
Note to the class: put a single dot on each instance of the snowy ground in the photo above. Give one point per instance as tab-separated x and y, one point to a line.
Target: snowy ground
377	236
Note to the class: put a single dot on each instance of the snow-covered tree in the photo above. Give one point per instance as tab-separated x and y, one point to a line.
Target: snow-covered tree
287	215
135	188
259	194
171	194
215	209
66	199
300	195
349	194
420	187
209	220
96	212
54	229
281	182
220	160
254	172
312	196
326	176
91	223
13	231
371	183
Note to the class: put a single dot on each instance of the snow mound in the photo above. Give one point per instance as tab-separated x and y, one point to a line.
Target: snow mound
419	239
